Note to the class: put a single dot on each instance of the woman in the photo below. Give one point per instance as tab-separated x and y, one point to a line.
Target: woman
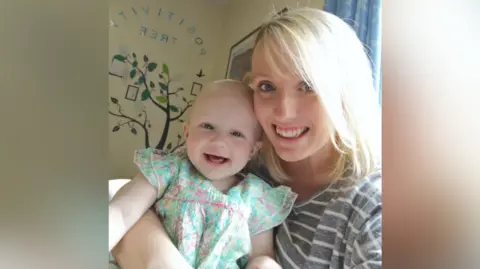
315	99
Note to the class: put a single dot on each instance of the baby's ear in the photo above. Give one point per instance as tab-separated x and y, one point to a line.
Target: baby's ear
185	130
256	147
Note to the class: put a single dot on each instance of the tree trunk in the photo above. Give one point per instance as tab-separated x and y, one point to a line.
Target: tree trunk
166	127
147	138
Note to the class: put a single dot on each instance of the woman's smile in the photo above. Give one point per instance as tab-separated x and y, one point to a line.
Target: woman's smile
291	133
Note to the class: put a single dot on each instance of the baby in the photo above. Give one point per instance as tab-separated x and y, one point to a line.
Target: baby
211	211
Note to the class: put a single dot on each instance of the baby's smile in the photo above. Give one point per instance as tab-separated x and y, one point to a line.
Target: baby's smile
215	159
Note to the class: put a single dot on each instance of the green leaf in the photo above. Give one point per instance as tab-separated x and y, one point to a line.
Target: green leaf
116	128
134	131
135	63
114	100
165	69
145	58
119	57
141	80
169	146
145	94
152	66
152	85
133	73
173	108
163	86
160	76
162	99
134	55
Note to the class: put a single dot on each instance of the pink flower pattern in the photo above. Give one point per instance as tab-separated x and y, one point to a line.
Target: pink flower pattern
211	229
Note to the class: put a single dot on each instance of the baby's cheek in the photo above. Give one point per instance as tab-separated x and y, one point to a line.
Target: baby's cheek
242	149
194	138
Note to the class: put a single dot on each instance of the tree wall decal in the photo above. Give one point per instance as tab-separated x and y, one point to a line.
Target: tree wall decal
160	97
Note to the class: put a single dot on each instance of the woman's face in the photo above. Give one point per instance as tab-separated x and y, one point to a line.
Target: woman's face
289	111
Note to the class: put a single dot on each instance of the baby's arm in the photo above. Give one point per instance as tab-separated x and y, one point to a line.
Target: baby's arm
262	256
127	206
148	245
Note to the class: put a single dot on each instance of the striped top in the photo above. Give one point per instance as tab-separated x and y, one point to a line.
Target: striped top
338	228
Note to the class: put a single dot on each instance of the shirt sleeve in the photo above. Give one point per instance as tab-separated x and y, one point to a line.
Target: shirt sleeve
269	206
158	167
367	247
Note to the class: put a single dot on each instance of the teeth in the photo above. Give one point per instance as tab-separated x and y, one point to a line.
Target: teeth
290	133
216	159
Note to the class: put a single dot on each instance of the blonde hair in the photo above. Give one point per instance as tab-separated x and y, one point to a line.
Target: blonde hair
222	84
329	57
225	84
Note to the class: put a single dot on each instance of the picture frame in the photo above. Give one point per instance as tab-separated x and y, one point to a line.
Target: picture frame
240	57
132	93
196	88
118	68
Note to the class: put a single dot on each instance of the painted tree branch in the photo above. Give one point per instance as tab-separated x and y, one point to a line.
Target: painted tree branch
159	92
146	117
129	119
144	75
175	92
179	145
189	104
121	115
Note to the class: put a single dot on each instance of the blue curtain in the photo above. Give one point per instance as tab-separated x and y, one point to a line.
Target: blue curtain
365	18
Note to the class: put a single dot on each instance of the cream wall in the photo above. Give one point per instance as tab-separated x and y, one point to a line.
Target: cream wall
176	45
245	16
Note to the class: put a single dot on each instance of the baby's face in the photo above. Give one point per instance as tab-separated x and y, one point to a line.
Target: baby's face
222	134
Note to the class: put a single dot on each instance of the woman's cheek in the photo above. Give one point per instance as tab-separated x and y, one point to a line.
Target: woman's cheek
261	110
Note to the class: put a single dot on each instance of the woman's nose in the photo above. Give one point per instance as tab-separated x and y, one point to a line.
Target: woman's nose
285	107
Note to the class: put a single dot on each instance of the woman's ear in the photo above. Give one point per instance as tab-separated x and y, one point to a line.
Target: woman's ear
256	147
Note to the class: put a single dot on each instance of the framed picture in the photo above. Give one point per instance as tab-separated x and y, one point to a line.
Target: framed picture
132	93
118	68
196	88
240	58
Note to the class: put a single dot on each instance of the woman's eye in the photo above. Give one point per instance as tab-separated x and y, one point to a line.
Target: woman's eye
265	86
237	134
207	126
306	87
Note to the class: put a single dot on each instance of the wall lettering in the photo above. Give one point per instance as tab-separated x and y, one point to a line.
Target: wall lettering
164	38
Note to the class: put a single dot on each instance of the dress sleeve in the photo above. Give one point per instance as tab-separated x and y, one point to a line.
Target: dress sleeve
158	167
269	206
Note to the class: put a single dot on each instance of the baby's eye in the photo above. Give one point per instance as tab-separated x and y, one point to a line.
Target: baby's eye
207	126
237	134
266	86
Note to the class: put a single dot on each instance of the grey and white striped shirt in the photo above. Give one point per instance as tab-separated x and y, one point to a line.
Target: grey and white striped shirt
338	228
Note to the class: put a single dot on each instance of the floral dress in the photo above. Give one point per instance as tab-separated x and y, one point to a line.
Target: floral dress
210	228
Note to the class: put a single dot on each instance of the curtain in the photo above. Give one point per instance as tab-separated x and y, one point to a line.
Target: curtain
365	18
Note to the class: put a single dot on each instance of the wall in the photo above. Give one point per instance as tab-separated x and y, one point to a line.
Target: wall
245	16
186	36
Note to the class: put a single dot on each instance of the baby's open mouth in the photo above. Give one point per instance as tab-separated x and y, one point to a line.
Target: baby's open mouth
215	159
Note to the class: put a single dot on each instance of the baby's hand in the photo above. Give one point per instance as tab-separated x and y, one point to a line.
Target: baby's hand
263	262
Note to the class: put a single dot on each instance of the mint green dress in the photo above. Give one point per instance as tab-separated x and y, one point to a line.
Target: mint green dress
210	228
